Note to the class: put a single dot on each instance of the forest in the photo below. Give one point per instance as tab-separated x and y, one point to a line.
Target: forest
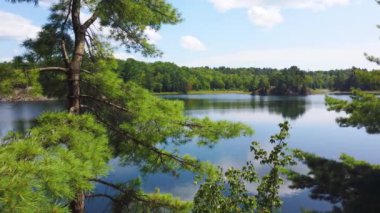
159	77
111	113
168	77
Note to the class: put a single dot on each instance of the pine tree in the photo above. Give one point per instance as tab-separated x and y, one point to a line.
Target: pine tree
136	123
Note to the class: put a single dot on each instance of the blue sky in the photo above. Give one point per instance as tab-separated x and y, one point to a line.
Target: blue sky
312	34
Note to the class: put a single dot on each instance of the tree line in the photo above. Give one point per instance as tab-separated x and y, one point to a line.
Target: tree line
169	77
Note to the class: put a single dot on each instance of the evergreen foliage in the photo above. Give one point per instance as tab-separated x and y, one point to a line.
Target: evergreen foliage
144	122
362	111
42	170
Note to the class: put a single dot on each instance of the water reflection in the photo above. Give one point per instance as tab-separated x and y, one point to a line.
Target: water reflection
313	129
350	185
288	107
18	116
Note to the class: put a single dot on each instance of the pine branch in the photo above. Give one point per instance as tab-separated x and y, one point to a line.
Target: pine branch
131	193
105	101
92	57
153	149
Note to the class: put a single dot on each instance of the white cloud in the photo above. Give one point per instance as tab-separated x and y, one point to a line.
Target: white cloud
316	4
152	35
15	27
123	55
192	43
261	16
224	5
5	59
309	58
46	3
264	17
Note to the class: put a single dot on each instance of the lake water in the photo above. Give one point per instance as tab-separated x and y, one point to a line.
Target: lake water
313	130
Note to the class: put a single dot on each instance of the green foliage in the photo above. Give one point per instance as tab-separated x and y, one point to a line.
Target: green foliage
45	49
144	123
351	185
18	83
148	202
139	125
128	20
277	159
362	111
290	81
42	170
228	192
210	132
168	77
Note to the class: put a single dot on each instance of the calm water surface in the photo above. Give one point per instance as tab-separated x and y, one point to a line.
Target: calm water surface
313	130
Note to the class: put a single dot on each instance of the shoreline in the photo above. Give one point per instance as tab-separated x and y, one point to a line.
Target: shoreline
211	92
204	92
27	99
201	92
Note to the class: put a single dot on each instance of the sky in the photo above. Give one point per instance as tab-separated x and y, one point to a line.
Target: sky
311	34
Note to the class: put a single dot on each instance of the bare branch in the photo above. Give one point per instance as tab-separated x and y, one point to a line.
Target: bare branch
67	16
53	69
63	41
64	52
91	20
90	50
131	192
103	195
86	71
93	17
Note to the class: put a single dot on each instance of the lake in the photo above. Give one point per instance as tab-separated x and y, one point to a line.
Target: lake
313	129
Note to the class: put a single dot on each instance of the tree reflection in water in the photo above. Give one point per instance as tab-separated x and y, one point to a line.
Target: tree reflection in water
288	107
350	185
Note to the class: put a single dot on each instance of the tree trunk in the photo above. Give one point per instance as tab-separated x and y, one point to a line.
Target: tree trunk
74	87
76	60
73	77
77	205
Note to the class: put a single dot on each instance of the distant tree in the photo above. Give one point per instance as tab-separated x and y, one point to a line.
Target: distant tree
264	86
